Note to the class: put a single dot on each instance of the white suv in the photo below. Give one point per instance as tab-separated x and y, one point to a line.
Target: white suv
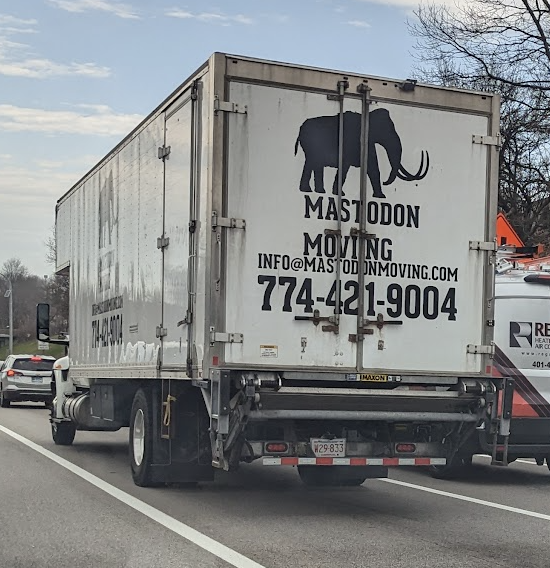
26	378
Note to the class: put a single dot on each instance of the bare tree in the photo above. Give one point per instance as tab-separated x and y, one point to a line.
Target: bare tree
57	290
505	41
28	290
13	269
502	46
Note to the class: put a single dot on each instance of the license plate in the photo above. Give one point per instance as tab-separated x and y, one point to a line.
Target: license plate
329	448
37	379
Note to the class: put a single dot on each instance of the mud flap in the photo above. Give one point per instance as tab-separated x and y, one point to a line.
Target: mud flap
181	452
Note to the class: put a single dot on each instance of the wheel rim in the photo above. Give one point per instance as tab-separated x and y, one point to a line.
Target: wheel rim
139	436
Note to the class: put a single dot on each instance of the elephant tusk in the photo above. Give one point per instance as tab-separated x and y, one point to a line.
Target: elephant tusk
420	174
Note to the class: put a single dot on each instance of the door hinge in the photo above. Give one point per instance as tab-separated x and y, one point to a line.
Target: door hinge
163	242
481	349
161	331
484	245
226	106
219	337
163	152
229	222
487	140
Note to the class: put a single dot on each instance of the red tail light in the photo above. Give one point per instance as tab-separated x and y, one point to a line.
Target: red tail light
405	448
12	373
36	358
276	448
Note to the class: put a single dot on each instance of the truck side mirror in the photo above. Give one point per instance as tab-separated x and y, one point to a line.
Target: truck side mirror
43	322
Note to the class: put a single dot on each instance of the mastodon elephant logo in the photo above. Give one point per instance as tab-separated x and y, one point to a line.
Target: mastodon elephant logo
318	138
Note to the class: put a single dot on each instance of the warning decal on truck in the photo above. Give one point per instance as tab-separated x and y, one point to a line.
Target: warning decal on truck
269	351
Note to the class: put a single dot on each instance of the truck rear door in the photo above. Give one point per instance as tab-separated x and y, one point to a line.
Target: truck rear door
381	278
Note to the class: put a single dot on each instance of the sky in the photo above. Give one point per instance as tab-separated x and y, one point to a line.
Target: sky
76	76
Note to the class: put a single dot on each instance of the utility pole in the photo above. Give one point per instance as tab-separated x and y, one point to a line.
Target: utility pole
9	295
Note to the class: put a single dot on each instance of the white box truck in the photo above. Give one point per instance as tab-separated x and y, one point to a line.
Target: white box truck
288	264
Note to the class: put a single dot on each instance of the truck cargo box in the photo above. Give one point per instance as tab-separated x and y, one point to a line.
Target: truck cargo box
277	217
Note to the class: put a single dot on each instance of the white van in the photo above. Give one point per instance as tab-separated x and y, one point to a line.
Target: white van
522	353
522	338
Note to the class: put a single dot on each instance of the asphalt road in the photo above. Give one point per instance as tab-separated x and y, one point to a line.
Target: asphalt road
50	516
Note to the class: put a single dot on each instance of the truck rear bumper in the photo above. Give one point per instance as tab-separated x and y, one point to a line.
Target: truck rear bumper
354	461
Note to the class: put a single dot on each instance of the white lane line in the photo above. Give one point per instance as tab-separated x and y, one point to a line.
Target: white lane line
469	499
216	548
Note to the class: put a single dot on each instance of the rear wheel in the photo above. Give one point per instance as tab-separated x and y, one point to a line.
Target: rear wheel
4	402
141	440
63	433
330	476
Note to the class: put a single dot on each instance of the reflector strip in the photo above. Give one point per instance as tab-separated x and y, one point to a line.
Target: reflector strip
355	461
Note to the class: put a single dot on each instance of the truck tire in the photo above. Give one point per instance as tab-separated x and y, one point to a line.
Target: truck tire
330	476
4	402
453	470
141	440
63	433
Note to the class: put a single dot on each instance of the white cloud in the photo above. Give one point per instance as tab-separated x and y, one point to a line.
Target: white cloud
119	9
97	108
6	156
13	21
25	184
209	17
18	30
358	24
15	61
99	123
10	25
42	68
8	46
49	164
